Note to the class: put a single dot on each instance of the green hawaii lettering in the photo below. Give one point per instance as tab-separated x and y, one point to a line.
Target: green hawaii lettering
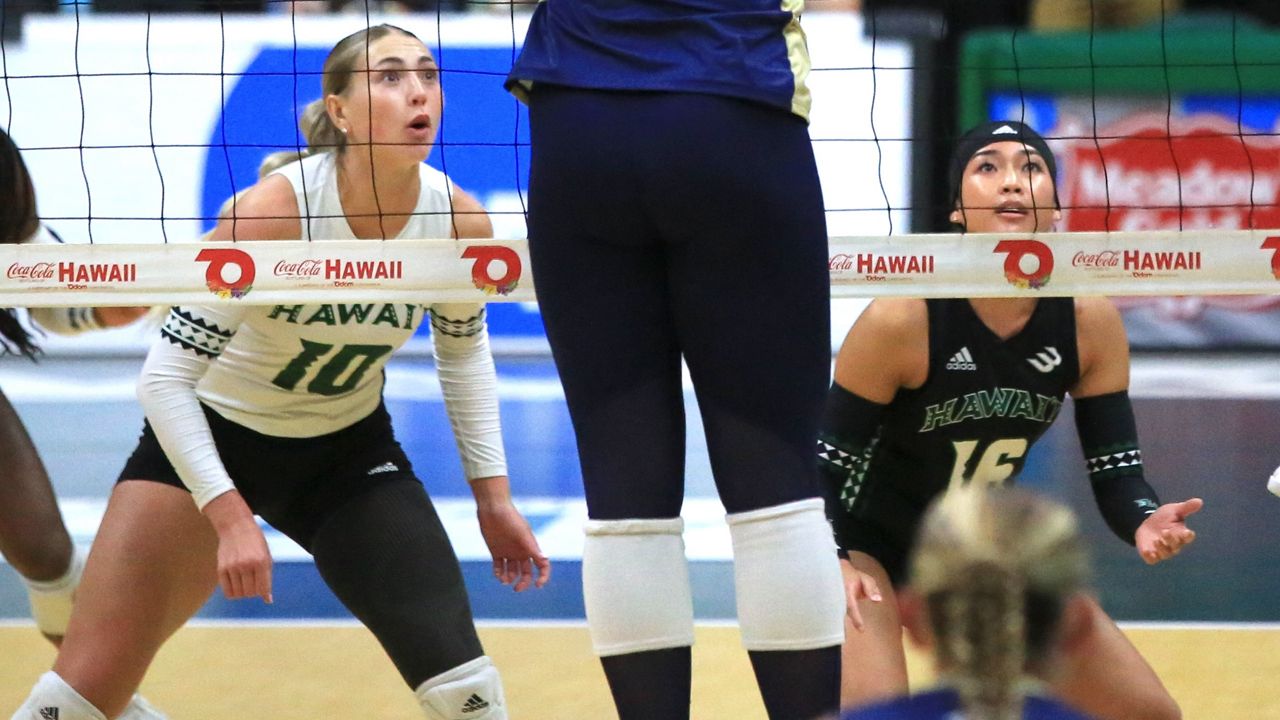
997	402
387	314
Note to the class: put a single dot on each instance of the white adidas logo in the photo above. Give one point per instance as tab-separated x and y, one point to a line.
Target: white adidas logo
1004	130
962	361
385	467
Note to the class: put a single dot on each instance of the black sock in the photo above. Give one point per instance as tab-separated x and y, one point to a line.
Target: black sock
798	684
651	685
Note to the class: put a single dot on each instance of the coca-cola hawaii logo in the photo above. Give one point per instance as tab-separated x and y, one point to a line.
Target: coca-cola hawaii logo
482	269
298	268
340	270
74	275
878	266
32	272
1101	260
228	261
1028	264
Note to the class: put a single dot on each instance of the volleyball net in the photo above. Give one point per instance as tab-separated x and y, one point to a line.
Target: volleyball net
137	127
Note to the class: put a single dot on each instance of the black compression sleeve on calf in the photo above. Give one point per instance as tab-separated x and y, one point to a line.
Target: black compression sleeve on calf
846	441
1109	437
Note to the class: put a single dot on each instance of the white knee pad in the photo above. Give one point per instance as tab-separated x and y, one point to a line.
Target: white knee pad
53	699
139	709
471	691
787	577
51	599
635	583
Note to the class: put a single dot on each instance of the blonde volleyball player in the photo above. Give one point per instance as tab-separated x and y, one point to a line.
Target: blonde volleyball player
998	596
278	411
932	394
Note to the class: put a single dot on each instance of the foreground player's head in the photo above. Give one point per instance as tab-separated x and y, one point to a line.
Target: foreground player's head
380	88
18	219
1001	178
996	589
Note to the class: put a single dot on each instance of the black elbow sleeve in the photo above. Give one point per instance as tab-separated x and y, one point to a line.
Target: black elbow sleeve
846	442
1109	437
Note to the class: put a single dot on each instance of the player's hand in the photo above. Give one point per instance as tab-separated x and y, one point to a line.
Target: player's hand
1164	533
517	559
109	317
244	561
857	586
1273	483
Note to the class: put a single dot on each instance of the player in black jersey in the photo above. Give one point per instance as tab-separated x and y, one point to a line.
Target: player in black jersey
934	394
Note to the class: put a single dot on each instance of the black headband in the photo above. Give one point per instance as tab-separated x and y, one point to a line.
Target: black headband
994	132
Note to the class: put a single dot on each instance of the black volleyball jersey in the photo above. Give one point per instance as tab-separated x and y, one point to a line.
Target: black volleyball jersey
984	403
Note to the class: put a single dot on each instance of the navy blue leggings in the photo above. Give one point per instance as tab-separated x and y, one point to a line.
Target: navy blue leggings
668	224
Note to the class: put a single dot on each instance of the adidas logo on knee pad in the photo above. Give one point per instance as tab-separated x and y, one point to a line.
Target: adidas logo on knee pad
48	713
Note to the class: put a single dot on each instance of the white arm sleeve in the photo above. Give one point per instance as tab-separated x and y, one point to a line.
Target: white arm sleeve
66	320
460	342
190	340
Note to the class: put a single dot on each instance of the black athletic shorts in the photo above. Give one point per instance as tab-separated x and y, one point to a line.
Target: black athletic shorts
884	526
292	483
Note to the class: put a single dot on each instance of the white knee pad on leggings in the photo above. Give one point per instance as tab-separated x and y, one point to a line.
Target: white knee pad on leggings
635	583
787	577
51	599
53	699
471	691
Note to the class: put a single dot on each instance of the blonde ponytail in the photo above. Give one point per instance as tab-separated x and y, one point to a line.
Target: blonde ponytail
996	567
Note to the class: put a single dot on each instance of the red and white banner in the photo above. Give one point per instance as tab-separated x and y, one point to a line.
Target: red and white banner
265	273
1239	262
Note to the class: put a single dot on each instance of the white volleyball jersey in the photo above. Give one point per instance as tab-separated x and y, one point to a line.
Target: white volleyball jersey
308	370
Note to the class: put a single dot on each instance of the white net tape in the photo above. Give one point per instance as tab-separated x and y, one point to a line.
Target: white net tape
1240	262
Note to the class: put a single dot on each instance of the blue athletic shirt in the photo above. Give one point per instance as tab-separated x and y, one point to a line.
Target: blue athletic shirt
749	49
944	704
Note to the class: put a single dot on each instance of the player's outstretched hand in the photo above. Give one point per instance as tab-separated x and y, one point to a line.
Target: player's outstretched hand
857	586
1164	533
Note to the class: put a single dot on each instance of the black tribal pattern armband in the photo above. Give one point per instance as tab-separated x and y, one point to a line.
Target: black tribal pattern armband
846	442
1109	437
192	332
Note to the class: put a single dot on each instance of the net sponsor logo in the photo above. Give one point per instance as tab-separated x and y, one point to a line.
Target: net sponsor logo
877	267
1028	264
299	269
74	275
1139	263
1142	263
1104	260
483	273
1273	244
228	261
343	273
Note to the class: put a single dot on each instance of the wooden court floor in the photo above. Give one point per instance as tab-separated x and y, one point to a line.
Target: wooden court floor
321	672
